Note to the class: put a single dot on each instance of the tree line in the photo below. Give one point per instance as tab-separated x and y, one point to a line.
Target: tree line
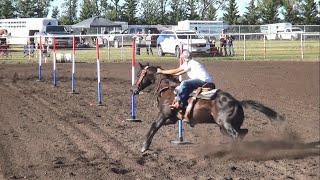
166	12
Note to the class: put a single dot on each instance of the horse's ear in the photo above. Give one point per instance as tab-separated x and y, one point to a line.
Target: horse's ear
147	63
141	66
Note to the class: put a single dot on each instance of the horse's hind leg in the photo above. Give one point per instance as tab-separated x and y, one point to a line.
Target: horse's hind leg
153	129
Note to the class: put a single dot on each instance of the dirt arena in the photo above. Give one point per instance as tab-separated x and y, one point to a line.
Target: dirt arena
48	133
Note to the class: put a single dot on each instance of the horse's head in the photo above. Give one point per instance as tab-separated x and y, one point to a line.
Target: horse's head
146	76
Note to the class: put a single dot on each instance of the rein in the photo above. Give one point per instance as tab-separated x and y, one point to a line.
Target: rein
143	73
158	90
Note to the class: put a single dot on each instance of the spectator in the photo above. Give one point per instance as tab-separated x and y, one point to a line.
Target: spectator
148	43
230	39
82	38
138	39
223	42
196	30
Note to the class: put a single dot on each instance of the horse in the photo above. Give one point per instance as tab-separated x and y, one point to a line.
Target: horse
220	108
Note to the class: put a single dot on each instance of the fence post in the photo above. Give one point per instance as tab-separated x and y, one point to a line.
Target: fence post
264	46
244	46
301	44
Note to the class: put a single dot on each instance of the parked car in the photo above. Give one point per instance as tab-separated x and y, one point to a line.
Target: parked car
169	42
127	35
62	36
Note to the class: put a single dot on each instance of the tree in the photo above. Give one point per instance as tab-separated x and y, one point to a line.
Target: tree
192	9
232	13
268	10
290	12
42	8
177	12
88	10
70	11
309	12
163	15
111	10
149	12
251	16
130	11
209	6
212	13
55	12
26	8
7	9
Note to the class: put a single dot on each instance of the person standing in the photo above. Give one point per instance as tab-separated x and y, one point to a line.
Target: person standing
230	39
138	39
223	42
148	43
82	38
198	76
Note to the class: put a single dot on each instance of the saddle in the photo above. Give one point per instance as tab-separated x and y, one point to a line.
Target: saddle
207	91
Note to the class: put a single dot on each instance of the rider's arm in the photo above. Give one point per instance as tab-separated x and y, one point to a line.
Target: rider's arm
171	71
179	73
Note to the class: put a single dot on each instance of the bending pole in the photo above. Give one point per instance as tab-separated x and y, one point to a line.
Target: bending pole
98	73
73	64
54	63
180	136
40	59
133	116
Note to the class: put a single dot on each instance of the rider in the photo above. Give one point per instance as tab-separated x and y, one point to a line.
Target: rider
197	74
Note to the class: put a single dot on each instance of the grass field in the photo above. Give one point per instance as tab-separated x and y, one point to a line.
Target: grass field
251	50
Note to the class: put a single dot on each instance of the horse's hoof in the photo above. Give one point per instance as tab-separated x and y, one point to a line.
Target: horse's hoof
144	148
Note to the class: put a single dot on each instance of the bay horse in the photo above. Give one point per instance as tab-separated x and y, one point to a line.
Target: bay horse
221	109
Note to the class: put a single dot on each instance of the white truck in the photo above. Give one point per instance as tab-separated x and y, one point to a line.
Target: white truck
281	31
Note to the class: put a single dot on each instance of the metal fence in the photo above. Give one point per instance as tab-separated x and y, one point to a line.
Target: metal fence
306	47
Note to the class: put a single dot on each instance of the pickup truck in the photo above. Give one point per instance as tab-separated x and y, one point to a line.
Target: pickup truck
63	37
290	33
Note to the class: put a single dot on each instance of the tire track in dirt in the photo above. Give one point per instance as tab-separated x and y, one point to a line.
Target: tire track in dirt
93	141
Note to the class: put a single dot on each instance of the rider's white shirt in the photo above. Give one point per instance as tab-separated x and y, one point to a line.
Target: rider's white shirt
196	71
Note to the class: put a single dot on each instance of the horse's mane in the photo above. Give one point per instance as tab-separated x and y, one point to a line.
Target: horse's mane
169	77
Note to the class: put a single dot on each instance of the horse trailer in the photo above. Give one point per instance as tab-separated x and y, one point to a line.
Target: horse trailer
20	28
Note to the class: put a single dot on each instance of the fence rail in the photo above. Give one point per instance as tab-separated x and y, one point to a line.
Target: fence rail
307	47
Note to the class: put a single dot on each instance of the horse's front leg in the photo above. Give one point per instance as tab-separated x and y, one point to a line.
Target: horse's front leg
153	129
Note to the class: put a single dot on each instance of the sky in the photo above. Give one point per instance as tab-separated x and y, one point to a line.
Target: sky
242	4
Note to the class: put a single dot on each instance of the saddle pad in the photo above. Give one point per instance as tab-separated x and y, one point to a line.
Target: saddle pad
206	94
202	95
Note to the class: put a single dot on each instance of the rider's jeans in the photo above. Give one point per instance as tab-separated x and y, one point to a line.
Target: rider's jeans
186	87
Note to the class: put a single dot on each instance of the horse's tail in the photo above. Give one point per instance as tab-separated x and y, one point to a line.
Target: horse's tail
270	113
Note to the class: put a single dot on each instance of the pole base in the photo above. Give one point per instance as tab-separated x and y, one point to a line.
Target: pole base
180	142
133	119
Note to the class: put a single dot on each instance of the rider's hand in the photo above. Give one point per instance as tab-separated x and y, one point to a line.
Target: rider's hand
159	71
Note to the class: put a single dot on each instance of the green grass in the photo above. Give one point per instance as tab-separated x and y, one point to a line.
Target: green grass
255	50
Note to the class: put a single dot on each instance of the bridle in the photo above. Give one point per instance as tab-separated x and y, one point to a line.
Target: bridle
142	74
